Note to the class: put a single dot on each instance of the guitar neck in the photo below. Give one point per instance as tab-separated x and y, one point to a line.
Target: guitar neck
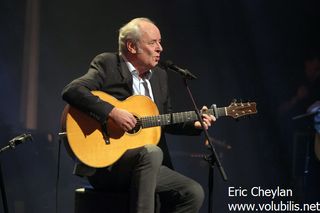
179	117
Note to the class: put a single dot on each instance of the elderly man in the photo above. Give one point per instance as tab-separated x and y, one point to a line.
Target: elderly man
145	170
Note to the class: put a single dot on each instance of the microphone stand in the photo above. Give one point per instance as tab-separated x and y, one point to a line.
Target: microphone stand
212	158
3	191
11	145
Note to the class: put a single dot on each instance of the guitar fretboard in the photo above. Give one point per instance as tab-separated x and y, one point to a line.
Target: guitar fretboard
179	117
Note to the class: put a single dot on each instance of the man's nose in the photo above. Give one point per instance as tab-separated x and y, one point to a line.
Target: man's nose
159	47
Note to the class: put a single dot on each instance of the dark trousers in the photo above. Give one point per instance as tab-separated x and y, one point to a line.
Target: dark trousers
141	173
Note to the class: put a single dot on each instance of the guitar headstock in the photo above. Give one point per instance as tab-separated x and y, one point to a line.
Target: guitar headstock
239	109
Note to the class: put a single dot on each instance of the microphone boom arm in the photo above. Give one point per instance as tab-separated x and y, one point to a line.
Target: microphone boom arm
184	72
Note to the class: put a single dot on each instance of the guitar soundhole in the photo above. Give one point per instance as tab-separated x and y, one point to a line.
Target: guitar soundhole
137	127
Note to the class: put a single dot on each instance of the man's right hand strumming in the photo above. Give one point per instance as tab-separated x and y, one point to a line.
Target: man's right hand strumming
124	119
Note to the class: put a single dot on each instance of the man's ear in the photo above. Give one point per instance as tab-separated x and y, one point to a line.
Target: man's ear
132	47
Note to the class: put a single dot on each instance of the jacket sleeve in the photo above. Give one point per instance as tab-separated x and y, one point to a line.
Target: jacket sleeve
78	92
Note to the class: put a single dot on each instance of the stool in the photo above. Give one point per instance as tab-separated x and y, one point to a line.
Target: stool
89	200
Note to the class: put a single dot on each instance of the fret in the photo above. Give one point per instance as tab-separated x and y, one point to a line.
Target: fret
168	118
176	117
163	120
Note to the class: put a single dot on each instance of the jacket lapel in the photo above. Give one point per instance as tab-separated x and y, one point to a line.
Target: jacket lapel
155	89
125	73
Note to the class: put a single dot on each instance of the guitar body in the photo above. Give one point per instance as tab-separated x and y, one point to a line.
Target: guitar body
97	146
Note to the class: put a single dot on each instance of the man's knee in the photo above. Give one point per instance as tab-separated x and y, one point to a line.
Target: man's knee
194	194
152	154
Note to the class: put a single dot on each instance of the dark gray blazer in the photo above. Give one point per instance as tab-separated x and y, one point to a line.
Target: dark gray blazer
109	73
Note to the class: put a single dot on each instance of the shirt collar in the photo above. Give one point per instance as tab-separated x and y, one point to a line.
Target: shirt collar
133	70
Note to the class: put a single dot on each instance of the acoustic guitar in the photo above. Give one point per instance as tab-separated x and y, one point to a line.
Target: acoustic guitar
99	146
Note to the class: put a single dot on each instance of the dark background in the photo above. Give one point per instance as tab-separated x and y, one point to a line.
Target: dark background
248	50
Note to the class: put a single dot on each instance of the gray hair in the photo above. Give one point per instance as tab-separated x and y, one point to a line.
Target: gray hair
130	32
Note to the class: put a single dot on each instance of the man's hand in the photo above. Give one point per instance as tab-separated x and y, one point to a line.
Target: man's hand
124	119
208	120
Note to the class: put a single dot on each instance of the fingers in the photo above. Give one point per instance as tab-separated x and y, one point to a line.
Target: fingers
128	123
207	123
208	120
124	119
204	108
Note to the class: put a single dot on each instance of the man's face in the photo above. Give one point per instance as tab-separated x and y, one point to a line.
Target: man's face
148	47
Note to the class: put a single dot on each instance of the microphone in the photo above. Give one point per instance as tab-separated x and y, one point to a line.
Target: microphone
20	139
184	72
16	141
